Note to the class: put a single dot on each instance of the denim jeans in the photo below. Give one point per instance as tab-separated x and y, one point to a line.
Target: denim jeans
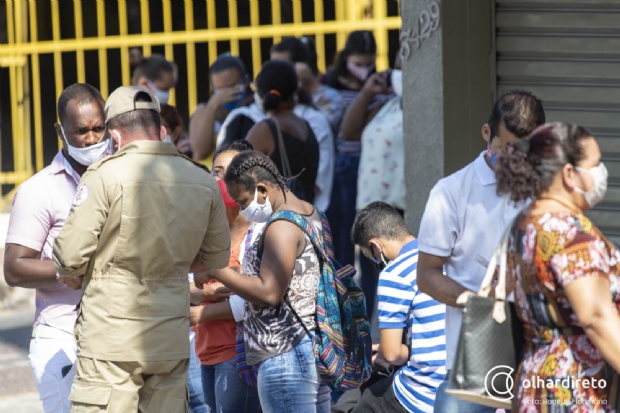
341	211
290	383
194	381
226	392
446	403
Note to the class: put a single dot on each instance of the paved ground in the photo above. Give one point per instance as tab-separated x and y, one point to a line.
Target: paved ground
18	392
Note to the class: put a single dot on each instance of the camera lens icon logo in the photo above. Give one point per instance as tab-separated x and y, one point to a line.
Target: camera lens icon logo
499	383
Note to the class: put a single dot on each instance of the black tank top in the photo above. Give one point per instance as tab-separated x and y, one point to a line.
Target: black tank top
303	155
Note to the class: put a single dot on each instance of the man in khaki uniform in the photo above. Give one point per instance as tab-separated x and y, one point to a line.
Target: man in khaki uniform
139	220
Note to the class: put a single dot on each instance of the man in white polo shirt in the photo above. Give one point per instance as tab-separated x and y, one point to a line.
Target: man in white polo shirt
39	211
462	224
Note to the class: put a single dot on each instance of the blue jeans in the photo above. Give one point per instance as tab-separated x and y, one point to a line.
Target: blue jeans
341	211
194	382
290	383
445	403
226	392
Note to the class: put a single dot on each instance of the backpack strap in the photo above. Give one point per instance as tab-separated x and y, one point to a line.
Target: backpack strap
302	223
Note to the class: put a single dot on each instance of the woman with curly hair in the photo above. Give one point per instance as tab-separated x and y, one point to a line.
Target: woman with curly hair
567	273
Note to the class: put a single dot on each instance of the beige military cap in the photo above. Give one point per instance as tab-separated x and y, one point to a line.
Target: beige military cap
123	100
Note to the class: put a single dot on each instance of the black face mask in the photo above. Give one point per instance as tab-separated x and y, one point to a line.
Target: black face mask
378	264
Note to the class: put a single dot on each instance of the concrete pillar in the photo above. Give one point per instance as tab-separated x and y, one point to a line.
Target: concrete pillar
449	85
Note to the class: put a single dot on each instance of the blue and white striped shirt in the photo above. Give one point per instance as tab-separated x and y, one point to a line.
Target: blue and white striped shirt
402	305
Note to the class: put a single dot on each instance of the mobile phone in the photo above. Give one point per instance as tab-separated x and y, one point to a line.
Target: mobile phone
387	80
65	370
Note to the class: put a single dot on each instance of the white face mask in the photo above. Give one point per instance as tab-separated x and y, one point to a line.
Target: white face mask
397	81
162	95
89	155
597	193
259	102
168	138
256	212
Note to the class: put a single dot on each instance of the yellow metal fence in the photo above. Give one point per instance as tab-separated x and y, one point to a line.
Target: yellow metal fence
22	52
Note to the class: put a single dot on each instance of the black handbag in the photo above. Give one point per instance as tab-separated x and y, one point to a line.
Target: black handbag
490	342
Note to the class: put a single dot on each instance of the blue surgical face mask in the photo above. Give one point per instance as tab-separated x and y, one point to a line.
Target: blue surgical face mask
492	156
162	95
235	103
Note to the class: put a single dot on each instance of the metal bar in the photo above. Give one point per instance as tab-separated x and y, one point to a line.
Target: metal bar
26	99
10	20
79	34
341	33
36	88
233	23
15	177
112	42
59	83
276	18
257	60
380	13
297	16
211	25
103	53
20	137
145	21
168	52
192	93
122	24
320	37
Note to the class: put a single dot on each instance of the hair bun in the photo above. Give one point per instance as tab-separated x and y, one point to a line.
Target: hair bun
522	145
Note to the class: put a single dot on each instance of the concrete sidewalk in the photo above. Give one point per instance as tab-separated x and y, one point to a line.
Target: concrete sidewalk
18	392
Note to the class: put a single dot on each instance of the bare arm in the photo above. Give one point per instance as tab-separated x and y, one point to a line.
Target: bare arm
432	281
358	114
394	352
202	123
590	299
282	244
23	268
212	312
213	292
202	131
261	138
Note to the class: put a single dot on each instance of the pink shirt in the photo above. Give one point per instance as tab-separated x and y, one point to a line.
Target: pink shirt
40	209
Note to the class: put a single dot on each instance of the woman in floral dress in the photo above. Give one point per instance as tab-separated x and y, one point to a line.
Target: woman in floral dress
567	274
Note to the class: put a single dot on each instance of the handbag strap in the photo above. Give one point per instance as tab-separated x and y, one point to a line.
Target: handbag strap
501	252
286	166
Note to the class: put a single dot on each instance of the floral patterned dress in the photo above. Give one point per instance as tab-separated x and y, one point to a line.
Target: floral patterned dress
562	371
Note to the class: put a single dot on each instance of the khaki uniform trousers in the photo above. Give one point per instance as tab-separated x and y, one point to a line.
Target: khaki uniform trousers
129	386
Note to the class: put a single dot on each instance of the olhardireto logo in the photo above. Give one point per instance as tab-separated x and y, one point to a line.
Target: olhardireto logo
498	383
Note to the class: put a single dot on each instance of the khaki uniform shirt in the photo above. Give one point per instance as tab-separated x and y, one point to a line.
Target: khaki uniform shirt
138	221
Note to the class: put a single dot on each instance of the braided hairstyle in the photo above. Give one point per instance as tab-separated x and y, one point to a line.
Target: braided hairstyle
251	167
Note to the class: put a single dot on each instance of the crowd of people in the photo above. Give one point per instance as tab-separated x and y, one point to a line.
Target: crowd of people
141	224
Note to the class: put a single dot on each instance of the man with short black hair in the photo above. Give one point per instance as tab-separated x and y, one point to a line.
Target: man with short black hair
40	208
462	224
380	232
139	220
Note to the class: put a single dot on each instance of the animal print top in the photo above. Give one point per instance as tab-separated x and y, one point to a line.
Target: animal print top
270	331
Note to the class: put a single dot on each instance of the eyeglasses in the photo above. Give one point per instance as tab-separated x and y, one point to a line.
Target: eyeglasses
217	173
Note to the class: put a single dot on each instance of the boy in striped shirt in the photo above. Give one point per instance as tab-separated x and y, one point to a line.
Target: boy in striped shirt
380	231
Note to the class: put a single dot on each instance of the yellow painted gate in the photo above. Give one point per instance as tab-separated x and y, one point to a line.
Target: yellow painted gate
47	45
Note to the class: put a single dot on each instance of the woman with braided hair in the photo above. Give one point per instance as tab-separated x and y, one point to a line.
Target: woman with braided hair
279	281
